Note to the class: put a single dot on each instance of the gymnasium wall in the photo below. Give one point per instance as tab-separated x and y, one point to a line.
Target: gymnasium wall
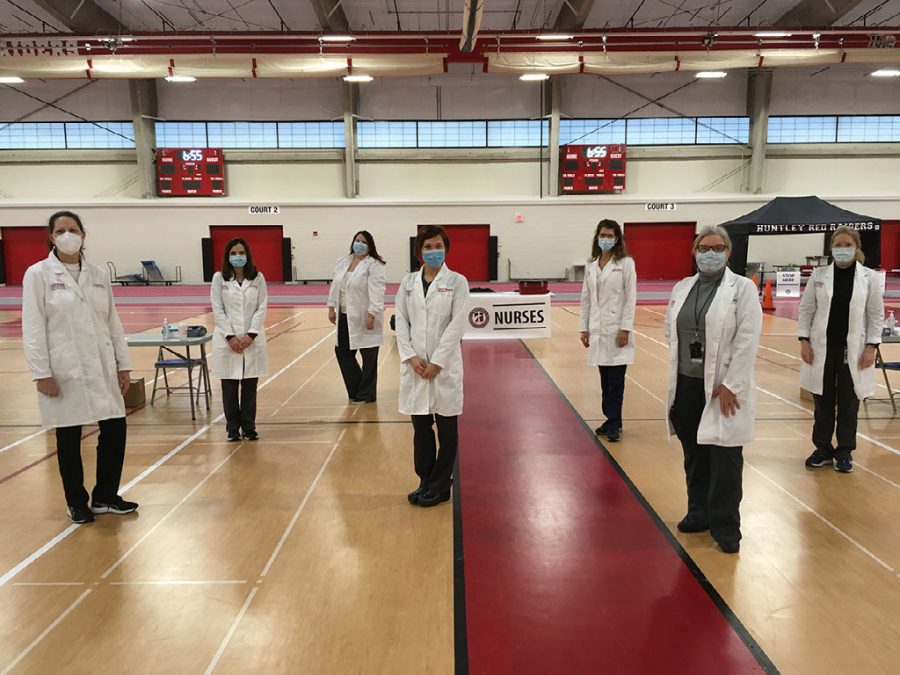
401	189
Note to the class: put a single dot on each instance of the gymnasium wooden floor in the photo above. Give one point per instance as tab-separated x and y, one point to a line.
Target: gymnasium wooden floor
300	554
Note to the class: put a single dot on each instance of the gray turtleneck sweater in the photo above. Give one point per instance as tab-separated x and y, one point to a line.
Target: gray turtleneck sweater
691	322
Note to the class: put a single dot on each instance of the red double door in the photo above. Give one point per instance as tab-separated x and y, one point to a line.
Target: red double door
661	250
469	250
22	247
264	242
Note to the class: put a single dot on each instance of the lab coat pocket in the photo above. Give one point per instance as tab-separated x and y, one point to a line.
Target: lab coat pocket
64	362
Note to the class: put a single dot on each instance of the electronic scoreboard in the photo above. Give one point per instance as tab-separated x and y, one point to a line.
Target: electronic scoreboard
592	168
190	172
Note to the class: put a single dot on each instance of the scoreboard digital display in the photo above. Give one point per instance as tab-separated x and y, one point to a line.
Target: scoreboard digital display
190	172
592	168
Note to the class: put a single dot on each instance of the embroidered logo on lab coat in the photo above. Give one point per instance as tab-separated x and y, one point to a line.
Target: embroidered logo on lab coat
57	286
444	289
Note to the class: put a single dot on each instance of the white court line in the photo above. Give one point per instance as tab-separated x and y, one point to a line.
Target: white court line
169	513
797	358
181	582
855	462
294	316
22	440
300	508
39	638
162	460
305	382
48	583
639	385
824	520
231	631
71	528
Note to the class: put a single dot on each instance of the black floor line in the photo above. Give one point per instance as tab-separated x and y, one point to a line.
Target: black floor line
755	649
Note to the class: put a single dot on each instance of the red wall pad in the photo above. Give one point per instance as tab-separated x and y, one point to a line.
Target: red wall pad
565	570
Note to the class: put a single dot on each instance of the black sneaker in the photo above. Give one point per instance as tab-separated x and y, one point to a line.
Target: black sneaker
602	430
614	435
234	436
413	497
819	458
843	465
730	546
118	506
429	498
692	523
251	435
80	514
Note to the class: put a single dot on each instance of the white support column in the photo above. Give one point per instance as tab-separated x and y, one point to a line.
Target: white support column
553	141
143	114
351	171
759	96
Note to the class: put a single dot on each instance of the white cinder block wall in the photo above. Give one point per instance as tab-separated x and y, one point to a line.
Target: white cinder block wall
403	191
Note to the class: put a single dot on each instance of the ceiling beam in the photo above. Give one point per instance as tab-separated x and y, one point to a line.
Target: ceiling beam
573	14
82	16
331	15
816	13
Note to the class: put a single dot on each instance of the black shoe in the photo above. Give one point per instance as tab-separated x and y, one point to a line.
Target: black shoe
602	430
819	458
730	546
234	436
363	400
80	514
251	435
614	435
413	496
118	506
843	465
692	524
429	498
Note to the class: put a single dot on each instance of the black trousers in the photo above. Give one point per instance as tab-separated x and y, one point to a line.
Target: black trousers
837	391
240	414
110	458
612	385
713	472
435	467
361	383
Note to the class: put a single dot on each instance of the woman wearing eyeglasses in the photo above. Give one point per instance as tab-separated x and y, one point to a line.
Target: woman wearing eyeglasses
713	326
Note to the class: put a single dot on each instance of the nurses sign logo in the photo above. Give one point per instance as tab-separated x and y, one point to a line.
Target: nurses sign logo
479	317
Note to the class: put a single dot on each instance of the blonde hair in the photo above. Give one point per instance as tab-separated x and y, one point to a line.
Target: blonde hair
706	231
854	235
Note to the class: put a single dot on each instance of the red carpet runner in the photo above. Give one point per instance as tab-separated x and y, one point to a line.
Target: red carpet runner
565	571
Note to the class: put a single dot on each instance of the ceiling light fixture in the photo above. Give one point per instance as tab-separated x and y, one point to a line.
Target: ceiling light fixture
711	74
180	78
773	34
336	38
11	79
534	77
886	72
554	37
358	78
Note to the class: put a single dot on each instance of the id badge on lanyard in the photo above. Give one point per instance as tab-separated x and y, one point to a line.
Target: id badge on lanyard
696	349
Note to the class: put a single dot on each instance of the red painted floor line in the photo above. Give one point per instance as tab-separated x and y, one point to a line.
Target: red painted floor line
565	570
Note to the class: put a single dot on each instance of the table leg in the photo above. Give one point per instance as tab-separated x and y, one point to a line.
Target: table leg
879	362
190	380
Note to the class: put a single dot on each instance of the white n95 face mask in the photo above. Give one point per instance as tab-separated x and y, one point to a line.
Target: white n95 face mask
68	243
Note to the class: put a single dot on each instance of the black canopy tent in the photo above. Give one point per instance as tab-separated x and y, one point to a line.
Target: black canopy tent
801	215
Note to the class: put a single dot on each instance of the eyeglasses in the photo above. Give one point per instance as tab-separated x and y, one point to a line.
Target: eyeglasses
718	248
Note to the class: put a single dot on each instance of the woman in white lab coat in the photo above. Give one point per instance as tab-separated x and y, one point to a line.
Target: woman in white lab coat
431	309
239	356
356	305
76	352
608	298
713	326
839	327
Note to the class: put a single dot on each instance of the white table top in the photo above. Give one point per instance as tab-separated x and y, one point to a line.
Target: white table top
151	340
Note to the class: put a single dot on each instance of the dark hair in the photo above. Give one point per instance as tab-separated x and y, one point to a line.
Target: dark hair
370	241
228	270
430	232
619	251
52	224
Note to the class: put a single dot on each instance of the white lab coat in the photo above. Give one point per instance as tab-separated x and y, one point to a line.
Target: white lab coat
365	295
866	323
239	309
431	328
72	333
733	326
608	297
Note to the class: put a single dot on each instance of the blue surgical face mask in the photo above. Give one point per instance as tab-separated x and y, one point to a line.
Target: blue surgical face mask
843	255
360	248
605	243
237	260
434	259
711	261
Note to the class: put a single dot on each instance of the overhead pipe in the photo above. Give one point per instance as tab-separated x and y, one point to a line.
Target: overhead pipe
472	12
